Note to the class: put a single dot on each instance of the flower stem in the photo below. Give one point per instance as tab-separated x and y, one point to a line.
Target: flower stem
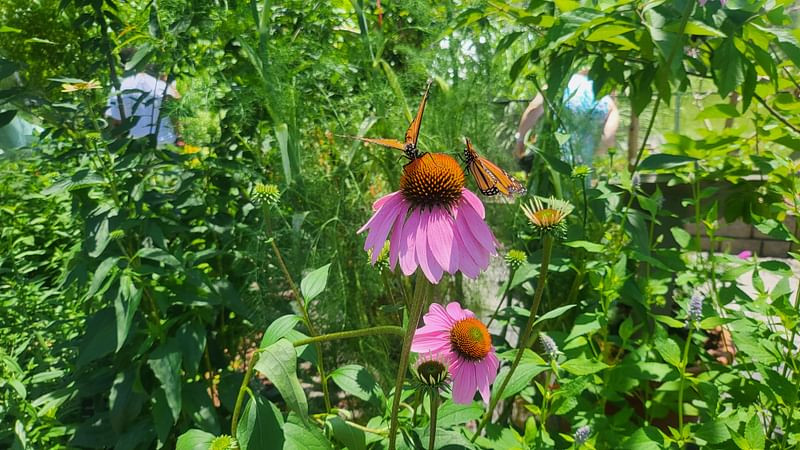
421	293
432	425
684	363
372	331
524	338
313	331
242	389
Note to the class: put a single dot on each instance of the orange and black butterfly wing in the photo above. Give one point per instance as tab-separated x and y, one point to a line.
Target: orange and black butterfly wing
391	143
491	179
412	134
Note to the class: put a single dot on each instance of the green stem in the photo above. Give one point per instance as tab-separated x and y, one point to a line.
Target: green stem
313	331
421	294
502	299
242	389
684	362
434	410
372	331
524	338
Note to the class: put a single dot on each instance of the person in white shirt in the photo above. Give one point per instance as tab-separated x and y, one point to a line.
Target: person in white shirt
142	98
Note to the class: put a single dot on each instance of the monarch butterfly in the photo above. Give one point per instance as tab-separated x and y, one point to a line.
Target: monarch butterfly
409	147
492	180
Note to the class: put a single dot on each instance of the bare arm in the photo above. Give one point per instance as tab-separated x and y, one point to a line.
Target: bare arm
609	136
529	118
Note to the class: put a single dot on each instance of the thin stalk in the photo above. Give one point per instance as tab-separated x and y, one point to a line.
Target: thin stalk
432	425
503	297
372	331
684	362
313	331
242	389
421	294
524	338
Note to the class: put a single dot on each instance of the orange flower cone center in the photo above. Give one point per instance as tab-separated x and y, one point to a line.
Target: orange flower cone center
470	339
547	217
434	179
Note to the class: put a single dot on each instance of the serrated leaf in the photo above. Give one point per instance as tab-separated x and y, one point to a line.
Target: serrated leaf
356	381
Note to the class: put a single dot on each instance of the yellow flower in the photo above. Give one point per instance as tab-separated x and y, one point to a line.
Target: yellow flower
191	149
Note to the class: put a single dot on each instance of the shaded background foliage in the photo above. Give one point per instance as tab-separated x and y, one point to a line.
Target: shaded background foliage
135	279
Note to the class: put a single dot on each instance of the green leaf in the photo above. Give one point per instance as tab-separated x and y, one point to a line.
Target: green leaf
453	414
165	362
350	437
302	437
278	362
590	247
626	329
712	322
661	161
191	337
530	365
261	425
728	69
159	255
718	111
682	237
603	32
754	433
279	328
100	338
554	313
357	381
647	438
282	134
518	65
582	366
195	440
126	304
669	321
101	273
698	28
668	349
712	432
314	283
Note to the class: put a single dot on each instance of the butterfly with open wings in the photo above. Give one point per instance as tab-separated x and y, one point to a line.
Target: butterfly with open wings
409	147
491	179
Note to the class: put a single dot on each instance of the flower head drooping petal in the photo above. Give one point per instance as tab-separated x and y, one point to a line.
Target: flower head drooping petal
458	334
582	435
547	215
433	223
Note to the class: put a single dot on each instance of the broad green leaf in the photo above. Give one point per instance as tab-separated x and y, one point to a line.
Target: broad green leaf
582	366
585	324
530	365
261	425
165	362
682	237
453	414
661	161
282	134
554	313
278	362
754	433
712	322
728	68
669	321
195	440
191	337
126	304
301	436
314	283
698	28
100	338
279	328
101	273
590	247
159	255
713	432
350	437
668	349
606	31
357	381
647	438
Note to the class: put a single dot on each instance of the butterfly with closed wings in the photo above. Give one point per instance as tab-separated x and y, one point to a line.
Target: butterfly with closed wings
409	147
491	179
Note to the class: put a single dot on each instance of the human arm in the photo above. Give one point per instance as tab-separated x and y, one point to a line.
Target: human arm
529	118
609	137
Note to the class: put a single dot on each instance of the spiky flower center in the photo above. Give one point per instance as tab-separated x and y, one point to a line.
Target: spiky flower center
546	218
432	372
433	179
470	339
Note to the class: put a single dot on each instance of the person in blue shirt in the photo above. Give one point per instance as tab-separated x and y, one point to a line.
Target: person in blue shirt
591	123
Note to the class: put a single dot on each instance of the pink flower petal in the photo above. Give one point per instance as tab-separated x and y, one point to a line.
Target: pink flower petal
473	201
380	229
466	263
437	317
387	200
397	236
436	270
421	242
440	240
455	312
435	342
380	202
480	231
408	262
464	381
